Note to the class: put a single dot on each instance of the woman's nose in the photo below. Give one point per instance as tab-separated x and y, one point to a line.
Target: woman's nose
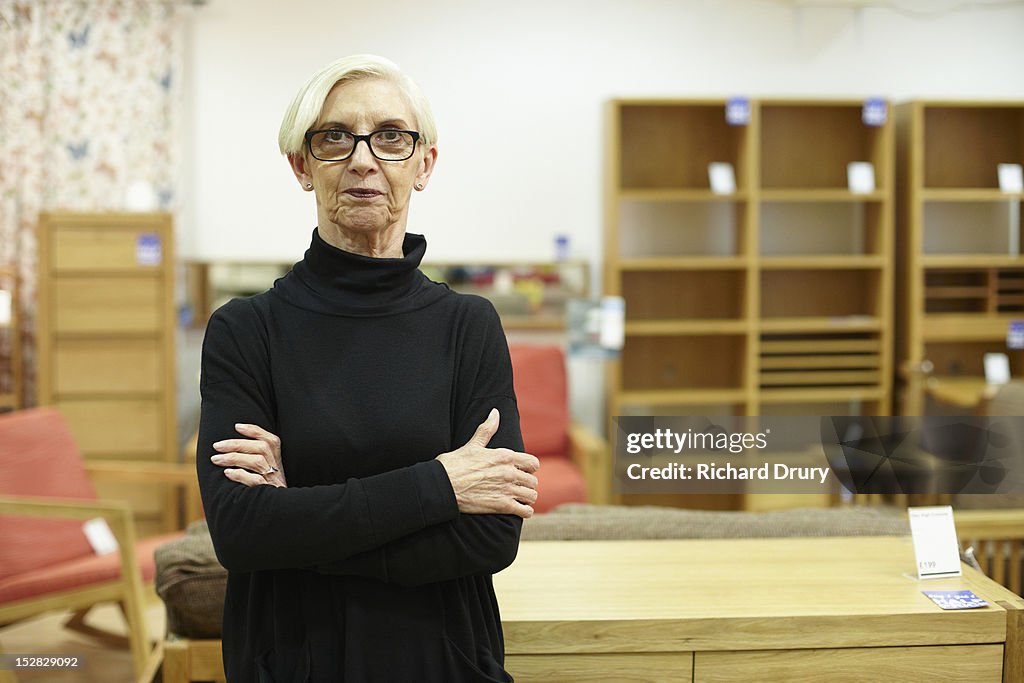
361	155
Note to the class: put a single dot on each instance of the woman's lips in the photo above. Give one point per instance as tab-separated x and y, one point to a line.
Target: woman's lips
363	192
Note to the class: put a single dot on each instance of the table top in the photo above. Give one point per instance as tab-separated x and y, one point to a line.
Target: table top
724	594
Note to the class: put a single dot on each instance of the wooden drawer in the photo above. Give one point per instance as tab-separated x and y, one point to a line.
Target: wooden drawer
853	665
667	667
107	305
102	367
122	428
105	249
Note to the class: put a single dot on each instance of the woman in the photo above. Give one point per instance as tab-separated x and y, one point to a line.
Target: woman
365	480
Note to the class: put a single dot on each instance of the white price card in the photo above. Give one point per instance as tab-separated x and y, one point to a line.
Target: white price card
1011	178
997	368
935	547
613	322
5	307
101	538
860	177
721	177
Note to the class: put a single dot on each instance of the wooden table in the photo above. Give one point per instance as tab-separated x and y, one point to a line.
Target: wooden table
807	609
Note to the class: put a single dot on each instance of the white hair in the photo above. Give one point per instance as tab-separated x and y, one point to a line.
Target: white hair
308	103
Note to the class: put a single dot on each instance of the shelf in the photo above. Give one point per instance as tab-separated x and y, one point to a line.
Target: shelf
853	323
680	195
970	327
806	378
817	262
685	327
683	263
820	195
954	261
979	194
804	395
788	280
687	397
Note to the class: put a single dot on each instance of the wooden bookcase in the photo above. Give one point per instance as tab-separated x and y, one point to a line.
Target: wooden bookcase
106	341
773	299
10	345
961	270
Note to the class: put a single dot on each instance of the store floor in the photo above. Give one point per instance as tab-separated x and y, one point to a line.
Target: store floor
103	662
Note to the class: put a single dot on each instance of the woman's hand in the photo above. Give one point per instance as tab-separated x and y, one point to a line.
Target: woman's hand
254	460
491	480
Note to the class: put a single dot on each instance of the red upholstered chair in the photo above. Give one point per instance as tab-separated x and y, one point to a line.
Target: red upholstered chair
46	562
574	465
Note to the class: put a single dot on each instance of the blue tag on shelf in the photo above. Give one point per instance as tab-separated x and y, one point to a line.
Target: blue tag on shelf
737	111
955	599
147	250
875	112
1015	335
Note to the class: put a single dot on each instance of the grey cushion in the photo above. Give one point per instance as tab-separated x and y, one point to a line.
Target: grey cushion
191	583
578	521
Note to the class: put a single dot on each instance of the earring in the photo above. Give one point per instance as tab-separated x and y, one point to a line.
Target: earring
309	186
419	186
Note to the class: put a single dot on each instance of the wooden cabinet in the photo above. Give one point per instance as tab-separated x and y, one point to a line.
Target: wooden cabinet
737	610
774	298
10	342
106	336
960	265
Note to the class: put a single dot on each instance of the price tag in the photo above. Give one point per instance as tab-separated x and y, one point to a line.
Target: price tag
101	538
147	250
1015	335
860	177
997	368
1011	178
5	307
613	322
721	177
875	112
737	111
935	547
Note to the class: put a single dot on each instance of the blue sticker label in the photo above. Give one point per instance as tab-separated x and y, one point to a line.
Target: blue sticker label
955	599
737	111
1015	335
875	112
147	250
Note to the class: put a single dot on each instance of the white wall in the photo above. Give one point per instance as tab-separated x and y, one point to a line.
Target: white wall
518	89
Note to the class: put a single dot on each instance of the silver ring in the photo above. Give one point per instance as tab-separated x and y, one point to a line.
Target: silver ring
272	470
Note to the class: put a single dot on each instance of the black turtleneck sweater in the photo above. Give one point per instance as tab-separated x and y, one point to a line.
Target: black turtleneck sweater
363	569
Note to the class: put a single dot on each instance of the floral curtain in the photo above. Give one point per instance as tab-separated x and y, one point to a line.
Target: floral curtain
89	104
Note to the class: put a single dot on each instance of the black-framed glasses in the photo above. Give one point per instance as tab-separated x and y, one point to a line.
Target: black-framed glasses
335	144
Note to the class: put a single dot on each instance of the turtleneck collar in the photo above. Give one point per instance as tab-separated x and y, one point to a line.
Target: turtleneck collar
337	282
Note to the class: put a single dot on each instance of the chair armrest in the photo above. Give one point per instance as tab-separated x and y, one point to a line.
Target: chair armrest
590	453
143	472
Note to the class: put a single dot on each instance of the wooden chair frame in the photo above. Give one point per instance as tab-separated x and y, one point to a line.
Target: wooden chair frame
129	589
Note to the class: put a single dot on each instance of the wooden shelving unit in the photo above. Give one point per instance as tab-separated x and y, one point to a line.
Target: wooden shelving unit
774	299
960	262
106	342
10	345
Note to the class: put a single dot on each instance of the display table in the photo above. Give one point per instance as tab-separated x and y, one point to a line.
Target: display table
780	609
801	609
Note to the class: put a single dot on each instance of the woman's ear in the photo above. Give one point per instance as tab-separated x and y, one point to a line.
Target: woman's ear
426	167
300	167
